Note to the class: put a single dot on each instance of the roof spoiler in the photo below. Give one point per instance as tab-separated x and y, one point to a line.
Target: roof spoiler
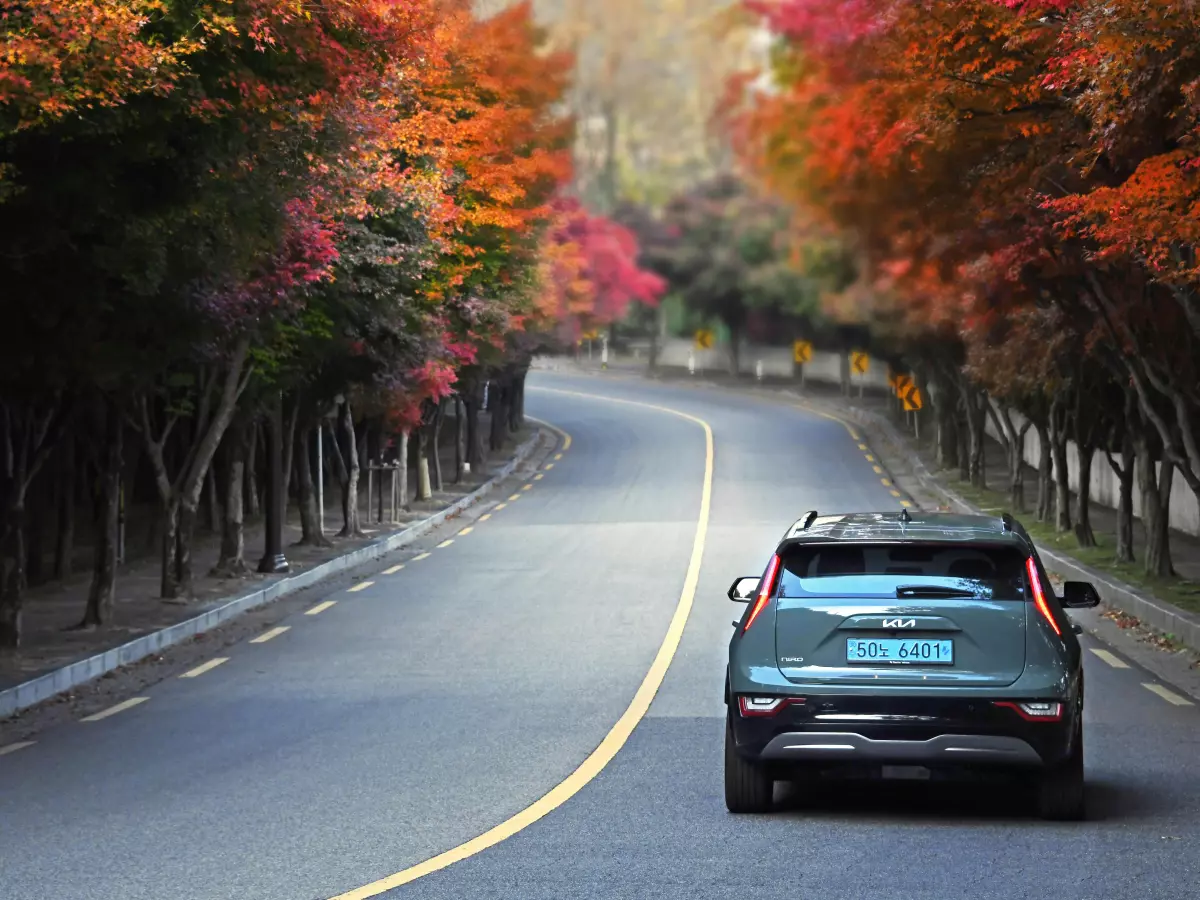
802	523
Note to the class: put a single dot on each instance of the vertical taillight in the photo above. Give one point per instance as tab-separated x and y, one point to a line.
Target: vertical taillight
765	588
1039	595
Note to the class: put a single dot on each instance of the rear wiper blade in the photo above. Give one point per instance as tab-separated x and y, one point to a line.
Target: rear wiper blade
933	591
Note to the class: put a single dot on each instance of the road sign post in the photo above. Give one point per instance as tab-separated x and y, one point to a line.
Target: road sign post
860	364
801	354
604	352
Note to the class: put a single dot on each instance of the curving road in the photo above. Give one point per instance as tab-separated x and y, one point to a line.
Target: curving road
446	697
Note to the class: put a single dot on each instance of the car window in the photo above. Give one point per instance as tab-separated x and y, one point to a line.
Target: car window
999	569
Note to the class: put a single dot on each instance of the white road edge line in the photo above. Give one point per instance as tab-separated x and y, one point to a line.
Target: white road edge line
13	748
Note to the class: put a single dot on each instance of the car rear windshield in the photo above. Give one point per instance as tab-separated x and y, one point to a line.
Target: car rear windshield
995	570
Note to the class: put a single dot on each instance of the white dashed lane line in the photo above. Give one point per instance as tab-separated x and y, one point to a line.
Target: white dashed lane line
1168	695
205	667
113	710
273	633
1111	658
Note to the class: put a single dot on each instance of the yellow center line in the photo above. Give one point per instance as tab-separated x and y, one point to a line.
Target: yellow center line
863	447
206	667
514	497
320	607
420	557
113	710
485	517
886	482
13	748
870	458
538	477
273	633
557	456
526	487
548	466
446	543
620	732
1169	696
393	570
905	504
878	470
361	586
1111	658
500	506
466	530
897	494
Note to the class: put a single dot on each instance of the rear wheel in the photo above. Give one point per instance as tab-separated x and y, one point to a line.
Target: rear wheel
1060	789
748	787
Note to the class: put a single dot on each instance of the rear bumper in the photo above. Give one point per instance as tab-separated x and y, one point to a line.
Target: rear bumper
944	749
935	732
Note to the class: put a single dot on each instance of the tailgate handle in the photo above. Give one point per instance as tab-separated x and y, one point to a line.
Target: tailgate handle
932	591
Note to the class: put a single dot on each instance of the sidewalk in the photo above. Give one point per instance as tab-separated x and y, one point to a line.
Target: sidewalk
1172	607
52	612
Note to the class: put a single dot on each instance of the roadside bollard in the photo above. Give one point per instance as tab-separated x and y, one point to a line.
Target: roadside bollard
758	370
691	363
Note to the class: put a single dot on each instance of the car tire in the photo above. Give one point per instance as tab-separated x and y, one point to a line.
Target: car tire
1061	787
748	787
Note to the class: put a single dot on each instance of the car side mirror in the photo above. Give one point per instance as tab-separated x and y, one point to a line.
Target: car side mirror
1080	595
742	590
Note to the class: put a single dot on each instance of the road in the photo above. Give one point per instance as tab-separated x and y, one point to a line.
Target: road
443	698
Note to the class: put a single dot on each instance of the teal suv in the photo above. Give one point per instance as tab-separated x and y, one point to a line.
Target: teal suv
924	645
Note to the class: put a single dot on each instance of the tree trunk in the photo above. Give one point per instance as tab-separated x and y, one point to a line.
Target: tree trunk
516	406
253	506
459	450
212	505
184	535
436	426
289	446
101	593
348	473
1124	473
1045	493
402	460
232	560
947	428
1155	509
423	487
964	447
976	404
64	544
1083	524
498	397
1062	477
35	531
1157	521
169	520
473	401
310	525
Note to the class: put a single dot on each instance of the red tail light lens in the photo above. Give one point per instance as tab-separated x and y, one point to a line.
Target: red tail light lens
1034	710
766	588
752	707
1039	596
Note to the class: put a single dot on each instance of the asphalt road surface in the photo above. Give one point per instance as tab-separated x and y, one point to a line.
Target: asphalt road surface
444	698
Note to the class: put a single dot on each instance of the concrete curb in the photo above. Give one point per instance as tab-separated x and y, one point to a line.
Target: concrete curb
30	693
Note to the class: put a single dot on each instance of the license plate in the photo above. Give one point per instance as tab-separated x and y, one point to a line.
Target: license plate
899	652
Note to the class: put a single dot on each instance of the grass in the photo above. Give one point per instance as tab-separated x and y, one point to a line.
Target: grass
1178	591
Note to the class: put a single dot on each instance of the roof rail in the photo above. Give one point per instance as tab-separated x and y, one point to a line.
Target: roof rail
1007	521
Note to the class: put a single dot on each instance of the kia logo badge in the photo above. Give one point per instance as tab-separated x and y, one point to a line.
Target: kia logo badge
899	623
